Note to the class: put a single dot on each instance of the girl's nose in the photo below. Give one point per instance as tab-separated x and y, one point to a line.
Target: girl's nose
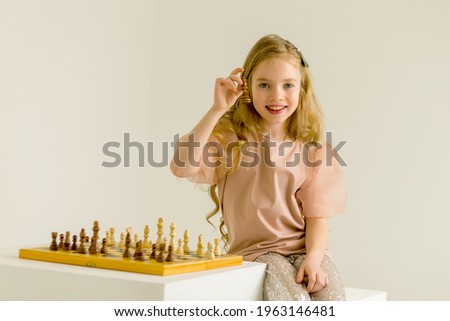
276	93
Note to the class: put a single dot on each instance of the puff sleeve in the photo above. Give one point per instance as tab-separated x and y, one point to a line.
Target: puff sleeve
210	164
324	191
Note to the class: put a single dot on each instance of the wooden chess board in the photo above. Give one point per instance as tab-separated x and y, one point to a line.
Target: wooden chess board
113	260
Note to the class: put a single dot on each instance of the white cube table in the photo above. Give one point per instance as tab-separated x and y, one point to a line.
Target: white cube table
23	279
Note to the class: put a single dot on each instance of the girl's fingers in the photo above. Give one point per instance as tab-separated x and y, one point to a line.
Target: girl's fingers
236	80
317	282
231	84
235	75
311	283
228	89
237	71
226	82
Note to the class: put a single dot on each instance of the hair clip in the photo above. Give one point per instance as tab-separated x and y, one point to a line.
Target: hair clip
302	60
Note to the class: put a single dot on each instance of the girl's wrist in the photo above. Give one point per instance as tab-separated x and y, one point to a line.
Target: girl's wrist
314	256
217	111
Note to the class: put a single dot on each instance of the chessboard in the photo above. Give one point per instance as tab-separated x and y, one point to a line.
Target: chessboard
141	256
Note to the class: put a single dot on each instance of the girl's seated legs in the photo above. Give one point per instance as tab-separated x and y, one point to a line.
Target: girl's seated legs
280	285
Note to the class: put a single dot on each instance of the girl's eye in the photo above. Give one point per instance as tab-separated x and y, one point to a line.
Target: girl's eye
288	85
263	85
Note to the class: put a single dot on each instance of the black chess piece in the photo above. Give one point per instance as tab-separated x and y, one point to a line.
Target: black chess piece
74	243
169	257
54	245
126	252
153	254
67	242
139	254
160	257
83	239
104	249
61	242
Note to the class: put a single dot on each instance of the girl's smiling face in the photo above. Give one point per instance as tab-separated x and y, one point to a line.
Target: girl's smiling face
276	85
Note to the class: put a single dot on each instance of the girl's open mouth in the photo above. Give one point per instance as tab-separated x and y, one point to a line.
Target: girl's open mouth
276	109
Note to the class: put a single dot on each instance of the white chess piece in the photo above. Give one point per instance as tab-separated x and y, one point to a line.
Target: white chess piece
108	238
186	249
217	251
145	243
160	225
210	253
122	241
200	245
172	235
112	241
180	247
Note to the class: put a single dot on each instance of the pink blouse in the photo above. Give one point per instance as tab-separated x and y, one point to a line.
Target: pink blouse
266	199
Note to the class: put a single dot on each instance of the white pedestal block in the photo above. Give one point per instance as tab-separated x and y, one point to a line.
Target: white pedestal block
22	279
354	294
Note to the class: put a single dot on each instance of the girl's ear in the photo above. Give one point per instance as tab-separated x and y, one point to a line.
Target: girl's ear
305	85
305	82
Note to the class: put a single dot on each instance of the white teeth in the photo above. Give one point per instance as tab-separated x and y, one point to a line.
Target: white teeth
275	107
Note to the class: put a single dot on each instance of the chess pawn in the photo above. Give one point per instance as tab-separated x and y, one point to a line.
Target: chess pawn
136	239
82	247
160	257
54	245
153	254
180	247
61	242
93	248
74	246
129	230
108	238
145	244
164	241
139	254
67	242
217	251
104	249
122	241
169	257
112	241
200	245
210	253
186	249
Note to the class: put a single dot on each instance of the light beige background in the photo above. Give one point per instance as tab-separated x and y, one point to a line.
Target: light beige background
77	74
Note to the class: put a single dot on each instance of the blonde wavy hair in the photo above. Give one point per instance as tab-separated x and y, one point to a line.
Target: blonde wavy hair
242	120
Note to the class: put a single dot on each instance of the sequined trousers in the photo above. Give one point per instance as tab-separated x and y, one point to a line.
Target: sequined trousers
280	285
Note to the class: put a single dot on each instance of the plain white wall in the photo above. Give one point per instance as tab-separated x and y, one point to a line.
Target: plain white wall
75	75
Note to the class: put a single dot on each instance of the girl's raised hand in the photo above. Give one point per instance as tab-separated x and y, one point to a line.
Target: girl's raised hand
227	90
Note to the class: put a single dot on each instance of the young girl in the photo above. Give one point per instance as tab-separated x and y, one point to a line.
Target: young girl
260	144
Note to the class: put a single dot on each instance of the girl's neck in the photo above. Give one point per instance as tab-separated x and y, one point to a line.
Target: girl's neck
276	132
